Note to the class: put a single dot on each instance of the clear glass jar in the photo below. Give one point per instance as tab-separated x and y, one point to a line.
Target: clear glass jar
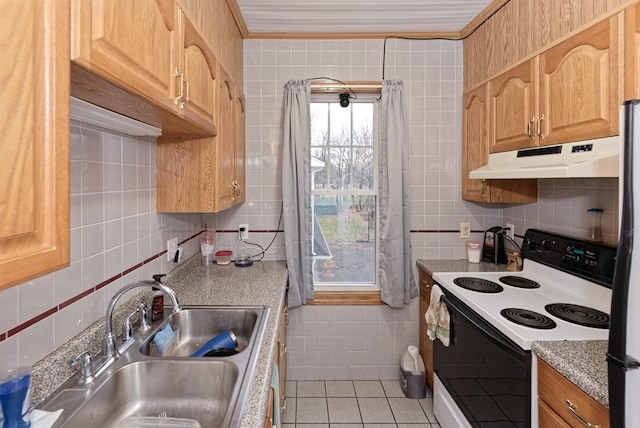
595	219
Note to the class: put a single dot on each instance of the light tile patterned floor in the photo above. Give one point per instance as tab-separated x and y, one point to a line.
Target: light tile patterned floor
355	404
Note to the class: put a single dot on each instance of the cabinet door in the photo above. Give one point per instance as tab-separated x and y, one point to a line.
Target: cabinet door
282	356
580	92
426	345
34	197
130	43
632	52
512	109
475	145
199	67
225	148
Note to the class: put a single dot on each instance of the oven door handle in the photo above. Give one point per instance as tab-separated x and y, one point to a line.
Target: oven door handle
488	330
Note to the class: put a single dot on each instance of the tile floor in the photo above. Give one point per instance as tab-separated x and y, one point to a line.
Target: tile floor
354	404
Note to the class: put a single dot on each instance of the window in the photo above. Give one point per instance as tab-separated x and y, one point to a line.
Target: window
344	181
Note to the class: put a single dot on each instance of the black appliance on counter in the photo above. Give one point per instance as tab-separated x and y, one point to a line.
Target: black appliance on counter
484	377
493	246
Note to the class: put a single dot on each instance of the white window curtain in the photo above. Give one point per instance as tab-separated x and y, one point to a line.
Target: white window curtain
296	190
397	284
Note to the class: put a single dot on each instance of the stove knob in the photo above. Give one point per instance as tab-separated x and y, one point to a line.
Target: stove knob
532	245
547	245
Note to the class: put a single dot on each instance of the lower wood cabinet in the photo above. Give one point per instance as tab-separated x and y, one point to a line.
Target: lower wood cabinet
426	346
268	420
281	356
562	404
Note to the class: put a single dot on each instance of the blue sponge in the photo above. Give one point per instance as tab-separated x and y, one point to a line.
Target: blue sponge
164	339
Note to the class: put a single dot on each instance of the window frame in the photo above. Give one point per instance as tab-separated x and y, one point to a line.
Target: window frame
367	294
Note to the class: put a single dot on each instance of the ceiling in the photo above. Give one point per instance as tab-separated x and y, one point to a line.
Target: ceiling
358	16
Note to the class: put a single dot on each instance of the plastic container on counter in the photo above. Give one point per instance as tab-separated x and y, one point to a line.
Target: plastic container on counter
474	251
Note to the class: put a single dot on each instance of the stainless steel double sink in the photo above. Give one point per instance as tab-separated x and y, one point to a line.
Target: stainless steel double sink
211	390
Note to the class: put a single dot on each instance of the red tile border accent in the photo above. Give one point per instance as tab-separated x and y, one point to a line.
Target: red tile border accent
22	326
28	323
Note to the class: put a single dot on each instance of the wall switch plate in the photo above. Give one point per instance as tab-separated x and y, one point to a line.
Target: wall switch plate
172	246
511	230
244	231
465	230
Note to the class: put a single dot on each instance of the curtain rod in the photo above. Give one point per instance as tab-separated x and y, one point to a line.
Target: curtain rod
346	85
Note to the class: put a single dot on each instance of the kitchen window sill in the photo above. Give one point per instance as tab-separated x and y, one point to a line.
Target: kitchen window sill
346	298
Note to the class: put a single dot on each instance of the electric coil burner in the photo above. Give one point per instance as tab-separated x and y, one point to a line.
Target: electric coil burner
528	318
577	314
478	284
519	281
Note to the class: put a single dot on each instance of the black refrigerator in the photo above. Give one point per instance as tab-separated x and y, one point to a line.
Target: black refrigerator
623	355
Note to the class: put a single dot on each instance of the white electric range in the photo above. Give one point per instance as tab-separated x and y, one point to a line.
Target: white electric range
485	375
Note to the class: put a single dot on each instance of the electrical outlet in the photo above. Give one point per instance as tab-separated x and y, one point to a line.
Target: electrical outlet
511	230
244	231
172	246
465	230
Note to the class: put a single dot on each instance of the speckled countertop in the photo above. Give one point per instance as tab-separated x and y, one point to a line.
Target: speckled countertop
582	362
262	284
462	265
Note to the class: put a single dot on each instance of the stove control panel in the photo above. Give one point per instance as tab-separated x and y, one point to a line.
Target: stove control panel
586	259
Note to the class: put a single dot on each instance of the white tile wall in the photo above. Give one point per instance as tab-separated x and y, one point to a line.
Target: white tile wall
114	226
432	75
562	207
356	342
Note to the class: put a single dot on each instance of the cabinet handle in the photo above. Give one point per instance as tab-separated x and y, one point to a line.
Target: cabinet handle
188	91
236	189
179	76
426	284
283	405
529	133
482	186
540	127
572	409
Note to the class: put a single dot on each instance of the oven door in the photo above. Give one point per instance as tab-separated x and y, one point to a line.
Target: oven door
485	373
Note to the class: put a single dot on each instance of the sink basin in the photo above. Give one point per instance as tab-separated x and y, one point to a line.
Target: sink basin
141	383
195	326
196	390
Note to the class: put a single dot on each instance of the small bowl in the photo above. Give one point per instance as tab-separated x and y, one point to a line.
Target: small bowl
223	257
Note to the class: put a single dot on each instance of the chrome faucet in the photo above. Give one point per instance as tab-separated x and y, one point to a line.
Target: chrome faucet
111	350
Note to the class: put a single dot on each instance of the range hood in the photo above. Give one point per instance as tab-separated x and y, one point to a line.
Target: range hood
92	114
592	158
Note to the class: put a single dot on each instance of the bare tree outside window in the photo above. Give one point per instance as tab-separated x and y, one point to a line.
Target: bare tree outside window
344	193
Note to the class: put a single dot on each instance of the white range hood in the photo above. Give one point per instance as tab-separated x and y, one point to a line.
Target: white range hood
592	158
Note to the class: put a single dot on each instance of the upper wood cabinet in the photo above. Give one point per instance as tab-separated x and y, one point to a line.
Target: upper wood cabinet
571	92
34	197
475	143
580	86
475	154
133	44
632	52
146	49
205	174
230	157
198	82
512	108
